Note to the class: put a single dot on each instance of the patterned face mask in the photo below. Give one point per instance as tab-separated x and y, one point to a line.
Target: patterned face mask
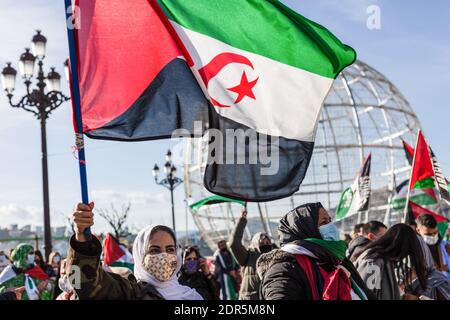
161	266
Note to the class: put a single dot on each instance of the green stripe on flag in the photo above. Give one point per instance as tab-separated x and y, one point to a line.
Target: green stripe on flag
267	28
424	183
123	264
442	227
421	199
212	200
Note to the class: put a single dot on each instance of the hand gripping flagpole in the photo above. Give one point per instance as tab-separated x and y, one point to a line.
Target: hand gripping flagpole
75	92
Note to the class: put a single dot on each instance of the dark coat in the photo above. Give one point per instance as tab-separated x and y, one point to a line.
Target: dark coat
282	277
208	288
96	283
246	257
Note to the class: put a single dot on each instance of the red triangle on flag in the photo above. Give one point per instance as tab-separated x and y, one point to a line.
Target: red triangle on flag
408	149
37	273
112	250
418	211
422	166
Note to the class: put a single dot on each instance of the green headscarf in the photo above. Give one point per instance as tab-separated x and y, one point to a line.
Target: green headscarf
337	248
20	255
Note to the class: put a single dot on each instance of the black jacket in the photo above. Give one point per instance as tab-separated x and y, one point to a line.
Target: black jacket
208	288
283	279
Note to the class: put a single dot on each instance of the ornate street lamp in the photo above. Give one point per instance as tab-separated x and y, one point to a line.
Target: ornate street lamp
40	101
171	181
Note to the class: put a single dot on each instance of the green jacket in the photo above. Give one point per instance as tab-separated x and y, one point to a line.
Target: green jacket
96	283
247	260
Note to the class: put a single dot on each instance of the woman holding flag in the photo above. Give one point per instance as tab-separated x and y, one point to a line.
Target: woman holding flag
157	261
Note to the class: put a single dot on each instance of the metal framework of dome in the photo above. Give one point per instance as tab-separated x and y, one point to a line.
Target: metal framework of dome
364	112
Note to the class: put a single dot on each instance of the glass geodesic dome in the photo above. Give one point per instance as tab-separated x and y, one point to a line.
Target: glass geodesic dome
363	113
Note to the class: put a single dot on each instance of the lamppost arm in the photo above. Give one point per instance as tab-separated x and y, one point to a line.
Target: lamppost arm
167	183
56	98
23	103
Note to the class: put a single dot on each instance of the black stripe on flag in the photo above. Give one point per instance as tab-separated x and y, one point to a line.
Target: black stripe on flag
245	181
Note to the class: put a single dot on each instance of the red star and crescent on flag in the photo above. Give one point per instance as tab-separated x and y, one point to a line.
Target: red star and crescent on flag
244	87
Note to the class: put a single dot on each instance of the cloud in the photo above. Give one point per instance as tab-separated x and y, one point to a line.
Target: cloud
107	195
14	211
22	215
134	197
146	198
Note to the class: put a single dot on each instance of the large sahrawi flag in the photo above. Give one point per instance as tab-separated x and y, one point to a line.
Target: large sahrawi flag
356	198
271	76
266	70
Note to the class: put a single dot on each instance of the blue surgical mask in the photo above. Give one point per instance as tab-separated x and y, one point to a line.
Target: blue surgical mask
30	259
329	232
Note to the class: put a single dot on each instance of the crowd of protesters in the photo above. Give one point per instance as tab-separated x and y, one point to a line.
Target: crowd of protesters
405	261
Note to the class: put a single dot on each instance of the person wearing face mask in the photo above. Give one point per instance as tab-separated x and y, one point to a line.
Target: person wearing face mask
226	272
23	272
4	261
195	274
311	264
439	248
55	262
247	257
39	260
393	262
156	264
370	231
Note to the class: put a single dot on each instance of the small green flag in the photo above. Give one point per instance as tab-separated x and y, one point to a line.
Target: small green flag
212	200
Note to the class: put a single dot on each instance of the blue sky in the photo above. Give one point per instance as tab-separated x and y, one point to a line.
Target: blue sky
412	49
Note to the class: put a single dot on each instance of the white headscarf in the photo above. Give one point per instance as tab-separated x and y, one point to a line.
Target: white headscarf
171	289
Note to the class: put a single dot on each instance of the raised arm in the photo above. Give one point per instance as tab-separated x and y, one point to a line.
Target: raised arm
238	250
87	276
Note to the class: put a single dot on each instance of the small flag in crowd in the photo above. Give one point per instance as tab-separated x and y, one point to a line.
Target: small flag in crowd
31	289
423	197
116	254
214	199
441	181
426	171
243	76
409	152
356	198
417	211
422	174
